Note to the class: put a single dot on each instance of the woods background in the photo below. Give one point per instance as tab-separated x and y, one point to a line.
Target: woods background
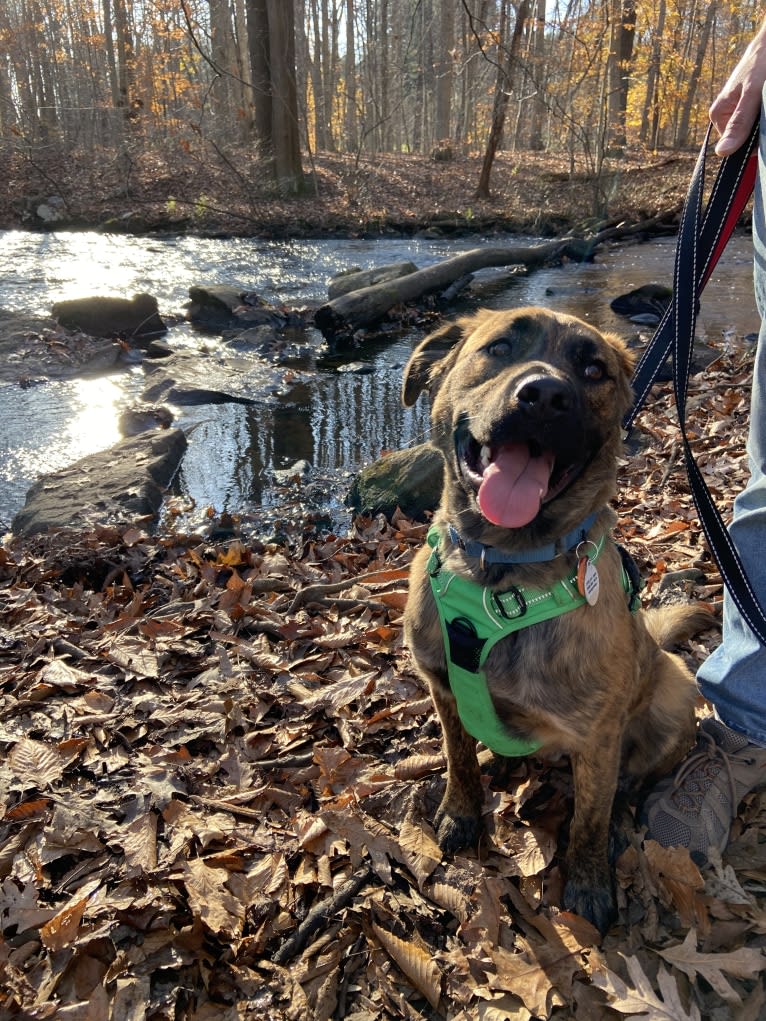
283	79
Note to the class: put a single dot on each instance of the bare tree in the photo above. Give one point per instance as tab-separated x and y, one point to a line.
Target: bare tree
505	63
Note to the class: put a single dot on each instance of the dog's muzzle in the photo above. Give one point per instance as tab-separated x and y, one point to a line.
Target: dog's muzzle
526	457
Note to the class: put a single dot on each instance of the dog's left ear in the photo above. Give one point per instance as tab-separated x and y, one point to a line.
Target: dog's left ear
420	371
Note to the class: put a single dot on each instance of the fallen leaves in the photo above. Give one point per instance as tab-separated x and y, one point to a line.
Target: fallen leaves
219	774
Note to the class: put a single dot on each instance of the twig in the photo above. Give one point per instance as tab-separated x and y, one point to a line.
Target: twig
319	591
672	458
320	913
286	762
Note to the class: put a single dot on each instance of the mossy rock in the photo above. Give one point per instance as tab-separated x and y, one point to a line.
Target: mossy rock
408	479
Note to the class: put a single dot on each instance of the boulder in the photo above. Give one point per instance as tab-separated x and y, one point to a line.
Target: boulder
131	318
117	485
645	304
355	280
408	479
32	350
217	307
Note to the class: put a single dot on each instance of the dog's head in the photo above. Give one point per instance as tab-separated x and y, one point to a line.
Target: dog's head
526	409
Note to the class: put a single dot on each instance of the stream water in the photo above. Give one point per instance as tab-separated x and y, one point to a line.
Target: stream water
337	421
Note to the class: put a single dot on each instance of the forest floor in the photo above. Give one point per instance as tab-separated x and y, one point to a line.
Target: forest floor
218	769
204	190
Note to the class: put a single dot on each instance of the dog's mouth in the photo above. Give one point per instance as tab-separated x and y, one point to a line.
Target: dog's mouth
513	480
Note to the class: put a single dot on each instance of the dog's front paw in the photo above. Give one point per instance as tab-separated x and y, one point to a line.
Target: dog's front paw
454	832
596	903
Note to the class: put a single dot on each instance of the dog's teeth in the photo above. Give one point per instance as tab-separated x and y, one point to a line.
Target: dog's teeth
484	456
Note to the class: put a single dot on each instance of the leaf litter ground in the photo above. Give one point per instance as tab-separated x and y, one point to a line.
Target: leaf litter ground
219	769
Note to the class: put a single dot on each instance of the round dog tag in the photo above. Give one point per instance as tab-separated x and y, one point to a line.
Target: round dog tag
587	580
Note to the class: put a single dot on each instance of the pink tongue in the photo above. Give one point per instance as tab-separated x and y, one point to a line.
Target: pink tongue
514	485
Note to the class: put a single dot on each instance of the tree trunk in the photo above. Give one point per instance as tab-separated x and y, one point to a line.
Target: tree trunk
622	36
317	82
349	73
288	169
260	67
537	80
444	73
650	113
504	85
682	136
128	103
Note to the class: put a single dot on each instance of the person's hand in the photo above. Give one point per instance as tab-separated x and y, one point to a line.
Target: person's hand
737	105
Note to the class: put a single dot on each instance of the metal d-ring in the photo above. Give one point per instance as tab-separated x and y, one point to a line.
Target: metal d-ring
586	542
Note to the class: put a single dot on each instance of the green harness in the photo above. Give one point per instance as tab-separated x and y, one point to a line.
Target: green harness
474	618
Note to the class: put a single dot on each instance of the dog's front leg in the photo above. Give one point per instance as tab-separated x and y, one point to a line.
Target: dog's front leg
589	890
458	818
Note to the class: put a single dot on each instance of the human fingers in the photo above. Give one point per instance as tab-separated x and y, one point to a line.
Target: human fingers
736	128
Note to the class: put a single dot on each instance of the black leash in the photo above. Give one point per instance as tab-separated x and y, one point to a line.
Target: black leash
702	237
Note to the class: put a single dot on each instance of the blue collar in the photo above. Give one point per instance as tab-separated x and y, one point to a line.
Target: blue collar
488	555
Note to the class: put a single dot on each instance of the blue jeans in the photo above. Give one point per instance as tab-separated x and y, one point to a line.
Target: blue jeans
734	676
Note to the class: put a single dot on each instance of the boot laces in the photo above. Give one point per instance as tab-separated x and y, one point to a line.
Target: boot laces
702	768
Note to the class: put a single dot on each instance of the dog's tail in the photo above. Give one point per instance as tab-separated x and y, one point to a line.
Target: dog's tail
669	625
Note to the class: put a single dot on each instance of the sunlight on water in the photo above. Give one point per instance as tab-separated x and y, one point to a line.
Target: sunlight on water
38	269
94	425
337	422
85	416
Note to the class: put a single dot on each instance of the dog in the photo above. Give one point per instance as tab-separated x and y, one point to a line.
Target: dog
522	613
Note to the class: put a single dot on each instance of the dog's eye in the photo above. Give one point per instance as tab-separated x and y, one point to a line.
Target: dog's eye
594	371
499	348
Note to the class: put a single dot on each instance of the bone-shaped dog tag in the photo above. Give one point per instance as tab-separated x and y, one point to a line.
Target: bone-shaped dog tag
587	580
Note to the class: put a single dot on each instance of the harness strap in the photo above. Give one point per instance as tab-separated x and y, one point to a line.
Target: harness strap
473	619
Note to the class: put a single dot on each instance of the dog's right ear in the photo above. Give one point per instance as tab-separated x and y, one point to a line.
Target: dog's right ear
422	370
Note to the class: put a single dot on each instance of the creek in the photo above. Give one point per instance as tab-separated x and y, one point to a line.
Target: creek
337	421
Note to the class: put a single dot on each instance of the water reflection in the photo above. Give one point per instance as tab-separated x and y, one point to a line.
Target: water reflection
337	425
336	421
85	416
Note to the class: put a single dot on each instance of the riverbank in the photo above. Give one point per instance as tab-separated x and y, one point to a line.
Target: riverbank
203	193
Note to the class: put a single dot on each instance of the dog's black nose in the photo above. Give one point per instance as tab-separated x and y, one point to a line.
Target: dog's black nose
545	395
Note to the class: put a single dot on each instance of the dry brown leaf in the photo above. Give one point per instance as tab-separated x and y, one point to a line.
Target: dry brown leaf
211	901
415	766
62	930
746	962
35	763
528	979
417	964
641	998
420	851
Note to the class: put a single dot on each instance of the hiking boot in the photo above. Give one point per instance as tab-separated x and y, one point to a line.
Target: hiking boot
696	807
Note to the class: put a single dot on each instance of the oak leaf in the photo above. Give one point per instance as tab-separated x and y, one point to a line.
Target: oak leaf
746	962
641	999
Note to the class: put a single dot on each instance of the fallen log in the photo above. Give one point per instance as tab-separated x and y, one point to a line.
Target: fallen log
343	315
350	312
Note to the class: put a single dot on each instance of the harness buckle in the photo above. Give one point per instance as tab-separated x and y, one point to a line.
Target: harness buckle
520	602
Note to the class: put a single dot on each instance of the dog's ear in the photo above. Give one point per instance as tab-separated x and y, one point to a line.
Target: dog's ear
626	360
626	357
420	372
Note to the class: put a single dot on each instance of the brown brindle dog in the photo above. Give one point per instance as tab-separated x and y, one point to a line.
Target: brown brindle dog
526	410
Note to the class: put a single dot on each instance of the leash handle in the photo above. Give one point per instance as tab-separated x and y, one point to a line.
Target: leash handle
732	188
702	238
